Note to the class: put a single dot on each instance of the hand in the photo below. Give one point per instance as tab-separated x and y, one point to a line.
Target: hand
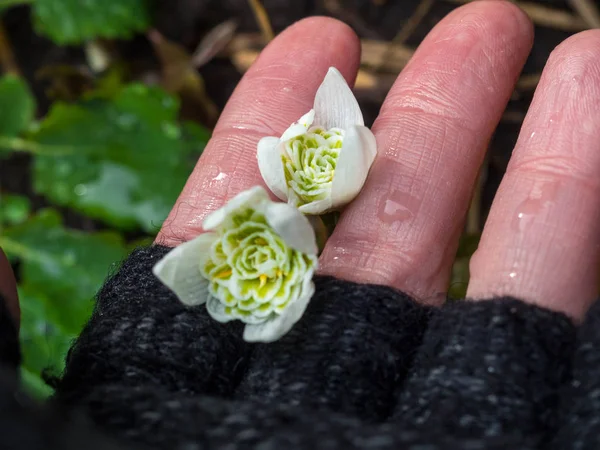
542	237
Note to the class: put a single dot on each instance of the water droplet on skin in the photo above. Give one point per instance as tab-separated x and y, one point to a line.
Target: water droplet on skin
532	135
397	207
220	177
530	208
512	274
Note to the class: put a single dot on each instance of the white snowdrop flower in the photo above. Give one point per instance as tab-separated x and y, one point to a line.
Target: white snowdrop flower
321	162
255	263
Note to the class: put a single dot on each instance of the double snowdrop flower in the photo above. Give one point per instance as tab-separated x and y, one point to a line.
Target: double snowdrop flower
256	260
321	162
255	263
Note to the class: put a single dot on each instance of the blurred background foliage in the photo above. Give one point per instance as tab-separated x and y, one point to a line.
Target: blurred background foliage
106	105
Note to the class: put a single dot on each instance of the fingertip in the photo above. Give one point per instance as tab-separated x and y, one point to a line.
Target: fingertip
575	57
588	40
501	9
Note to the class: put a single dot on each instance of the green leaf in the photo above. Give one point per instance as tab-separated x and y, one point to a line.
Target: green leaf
17	106
34	385
75	21
14	209
68	266
44	342
129	156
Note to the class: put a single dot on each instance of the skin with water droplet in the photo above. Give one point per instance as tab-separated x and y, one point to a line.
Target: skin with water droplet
530	208
397	207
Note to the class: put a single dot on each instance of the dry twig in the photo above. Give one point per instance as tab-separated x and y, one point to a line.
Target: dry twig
262	18
413	22
588	12
528	82
7	58
545	16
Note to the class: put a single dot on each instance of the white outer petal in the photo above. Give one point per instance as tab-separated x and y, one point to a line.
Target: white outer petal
292	227
272	330
248	198
271	166
335	105
300	127
317	207
356	157
179	269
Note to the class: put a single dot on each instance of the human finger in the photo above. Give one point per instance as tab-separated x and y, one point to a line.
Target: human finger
541	241
277	90
432	133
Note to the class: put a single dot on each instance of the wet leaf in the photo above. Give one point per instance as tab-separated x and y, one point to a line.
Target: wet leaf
44	342
68	266
19	106
130	156
75	21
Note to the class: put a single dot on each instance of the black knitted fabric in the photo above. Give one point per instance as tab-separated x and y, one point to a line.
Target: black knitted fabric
365	368
580	421
348	353
490	368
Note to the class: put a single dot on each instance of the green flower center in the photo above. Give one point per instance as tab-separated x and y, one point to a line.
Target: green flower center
252	272
310	161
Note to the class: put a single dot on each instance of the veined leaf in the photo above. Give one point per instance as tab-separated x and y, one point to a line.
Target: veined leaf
18	106
75	21
67	266
123	159
44	342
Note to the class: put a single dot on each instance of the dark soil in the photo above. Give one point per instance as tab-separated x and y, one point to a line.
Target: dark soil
187	21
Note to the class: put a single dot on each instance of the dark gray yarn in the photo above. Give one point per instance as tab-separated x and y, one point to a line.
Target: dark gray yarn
365	368
580	412
489	368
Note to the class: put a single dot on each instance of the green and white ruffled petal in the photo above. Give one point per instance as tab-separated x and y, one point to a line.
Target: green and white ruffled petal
300	127
272	329
249	199
218	310
179	269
